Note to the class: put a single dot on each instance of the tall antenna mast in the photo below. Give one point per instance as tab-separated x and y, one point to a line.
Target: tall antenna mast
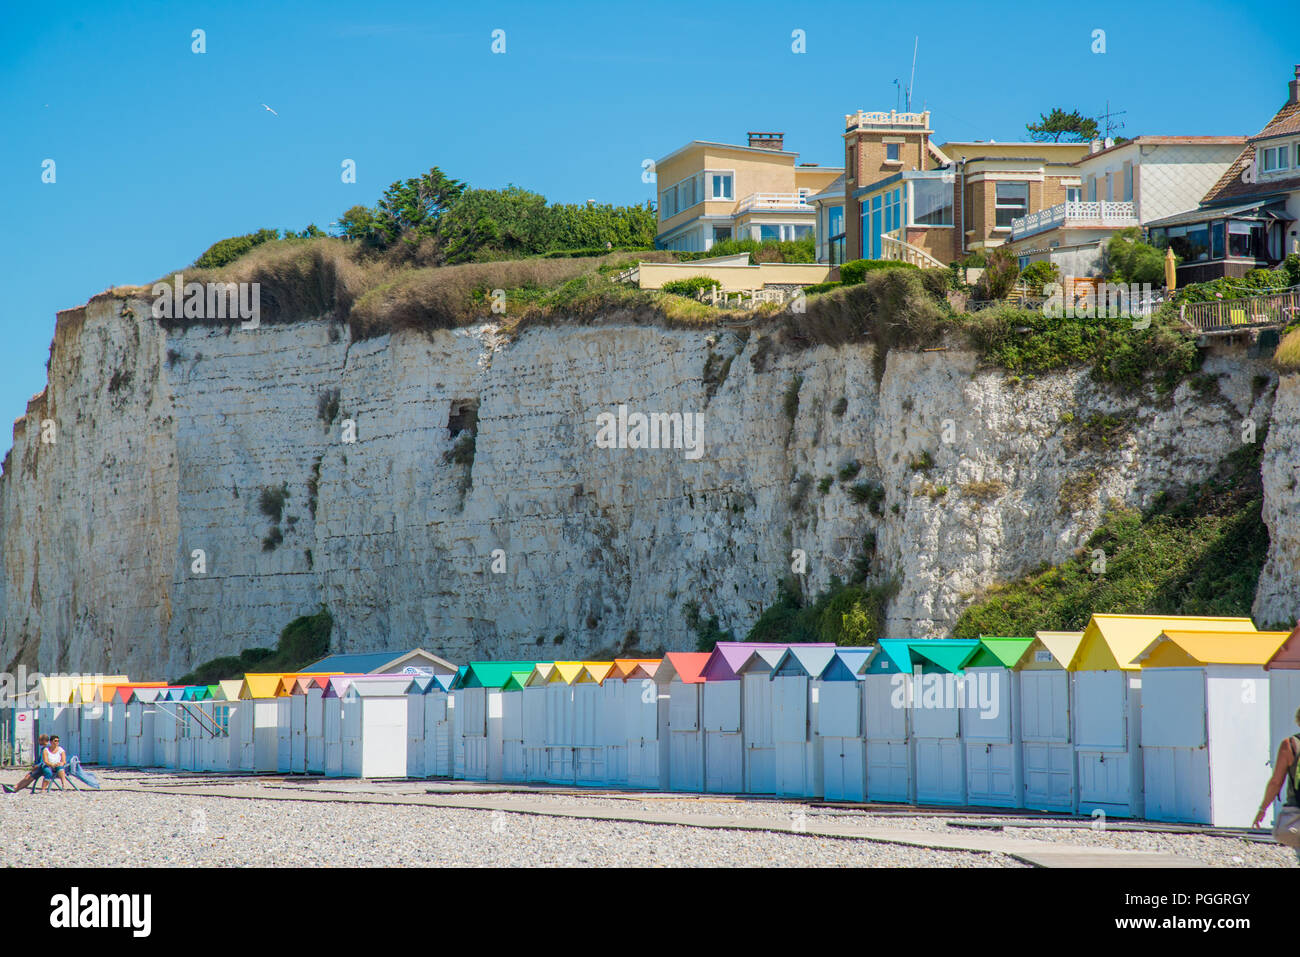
915	43
898	95
1106	118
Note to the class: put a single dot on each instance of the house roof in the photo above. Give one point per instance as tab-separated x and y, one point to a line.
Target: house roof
1182	649
1203	213
892	655
1112	642
380	686
725	146
1167	141
371	662
834	190
684	665
1230	184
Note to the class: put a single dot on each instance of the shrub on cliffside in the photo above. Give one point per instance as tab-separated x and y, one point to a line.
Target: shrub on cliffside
226	251
303	640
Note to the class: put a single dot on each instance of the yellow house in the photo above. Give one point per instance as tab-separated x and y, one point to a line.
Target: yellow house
710	192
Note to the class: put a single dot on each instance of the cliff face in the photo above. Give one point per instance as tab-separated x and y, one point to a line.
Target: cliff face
534	539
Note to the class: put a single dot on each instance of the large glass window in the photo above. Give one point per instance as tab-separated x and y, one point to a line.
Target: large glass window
931	202
1216	240
721	186
802	230
1011	201
1245	240
834	220
769	232
721	233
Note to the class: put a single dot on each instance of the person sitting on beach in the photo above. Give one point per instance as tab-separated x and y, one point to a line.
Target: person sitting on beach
54	761
31	776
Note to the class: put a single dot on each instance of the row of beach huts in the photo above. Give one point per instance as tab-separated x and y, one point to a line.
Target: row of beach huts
1171	719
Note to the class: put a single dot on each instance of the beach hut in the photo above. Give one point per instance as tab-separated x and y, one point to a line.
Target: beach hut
537	760
1283	670
1107	698
721	718
213	713
140	727
1205	725
438	727
118	739
991	723
840	720
374	726
682	744
891	761
630	723
332	708
795	707
939	689
1047	746
588	736
561	722
263	691
87	699
416	752
477	715
513	760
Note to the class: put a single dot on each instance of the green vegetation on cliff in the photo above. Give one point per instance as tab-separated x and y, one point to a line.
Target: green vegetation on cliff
1196	551
303	640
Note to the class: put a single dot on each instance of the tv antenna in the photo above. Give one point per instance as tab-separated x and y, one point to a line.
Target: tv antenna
1107	119
898	95
911	80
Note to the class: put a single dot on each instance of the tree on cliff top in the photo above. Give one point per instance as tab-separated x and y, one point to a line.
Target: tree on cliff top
1074	126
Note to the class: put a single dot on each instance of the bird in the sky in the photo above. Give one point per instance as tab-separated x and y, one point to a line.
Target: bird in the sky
269	110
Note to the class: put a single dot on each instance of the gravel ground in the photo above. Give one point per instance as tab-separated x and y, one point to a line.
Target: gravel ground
128	828
161	828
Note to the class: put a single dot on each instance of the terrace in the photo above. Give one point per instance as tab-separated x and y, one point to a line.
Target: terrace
1069	215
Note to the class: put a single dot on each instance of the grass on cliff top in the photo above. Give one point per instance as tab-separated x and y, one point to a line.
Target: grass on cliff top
1195	552
907	309
303	640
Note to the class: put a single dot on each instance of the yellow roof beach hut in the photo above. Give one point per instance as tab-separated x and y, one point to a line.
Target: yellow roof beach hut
1205	725
1107	699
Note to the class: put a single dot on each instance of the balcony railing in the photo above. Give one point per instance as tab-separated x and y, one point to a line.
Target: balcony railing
1233	315
865	120
1074	214
786	202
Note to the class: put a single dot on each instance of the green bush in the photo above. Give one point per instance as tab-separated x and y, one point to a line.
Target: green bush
820	287
1001	270
1128	259
855	270
226	251
1038	274
766	251
845	613
690	286
937	282
303	640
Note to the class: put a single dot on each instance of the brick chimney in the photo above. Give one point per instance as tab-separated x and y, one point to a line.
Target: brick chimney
1295	86
767	141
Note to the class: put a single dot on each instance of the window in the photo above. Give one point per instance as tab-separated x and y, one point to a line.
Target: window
721	233
1128	182
1245	240
1216	240
1092	189
1074	194
851	167
1297	156
1011	200
769	232
834	220
1277	158
801	231
893	152
931	202
721	186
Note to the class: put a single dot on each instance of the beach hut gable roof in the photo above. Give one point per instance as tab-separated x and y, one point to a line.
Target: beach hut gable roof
846	664
686	666
803	662
493	674
1193	649
1287	656
636	667
950	654
594	672
891	656
541	674
1004	652
1113	642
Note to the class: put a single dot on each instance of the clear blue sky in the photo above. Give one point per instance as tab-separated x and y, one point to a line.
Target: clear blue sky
160	151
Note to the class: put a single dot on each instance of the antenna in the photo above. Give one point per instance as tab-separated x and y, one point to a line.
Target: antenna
1107	118
898	95
915	43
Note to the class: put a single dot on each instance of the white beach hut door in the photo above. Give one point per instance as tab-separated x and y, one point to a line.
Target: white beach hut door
790	732
641	705
437	742
537	763
415	749
685	753
512	735
613	730
760	748
839	731
722	743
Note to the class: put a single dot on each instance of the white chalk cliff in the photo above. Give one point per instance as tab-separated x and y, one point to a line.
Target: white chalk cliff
149	445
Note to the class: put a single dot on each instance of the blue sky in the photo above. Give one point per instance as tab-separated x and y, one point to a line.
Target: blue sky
160	152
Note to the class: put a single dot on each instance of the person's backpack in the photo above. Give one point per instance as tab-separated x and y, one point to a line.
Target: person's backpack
1286	828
